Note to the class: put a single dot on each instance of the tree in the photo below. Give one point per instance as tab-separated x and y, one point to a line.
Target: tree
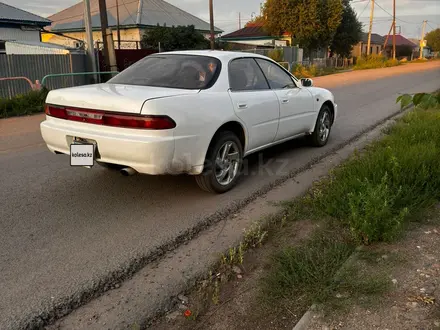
256	20
348	32
174	38
433	40
311	23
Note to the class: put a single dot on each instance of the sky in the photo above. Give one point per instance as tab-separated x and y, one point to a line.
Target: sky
409	13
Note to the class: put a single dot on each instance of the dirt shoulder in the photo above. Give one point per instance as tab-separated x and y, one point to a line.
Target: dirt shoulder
394	286
412	265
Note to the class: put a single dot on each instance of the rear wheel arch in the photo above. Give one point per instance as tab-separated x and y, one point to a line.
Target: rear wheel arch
234	127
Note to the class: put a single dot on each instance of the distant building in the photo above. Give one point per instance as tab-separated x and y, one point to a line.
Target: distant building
427	51
404	47
376	45
135	19
256	34
19	25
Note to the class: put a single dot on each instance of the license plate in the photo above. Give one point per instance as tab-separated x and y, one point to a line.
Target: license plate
82	153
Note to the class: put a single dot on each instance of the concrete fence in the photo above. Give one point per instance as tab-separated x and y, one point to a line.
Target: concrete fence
35	67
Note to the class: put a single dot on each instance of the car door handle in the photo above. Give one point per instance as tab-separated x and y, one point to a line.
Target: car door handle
284	101
242	105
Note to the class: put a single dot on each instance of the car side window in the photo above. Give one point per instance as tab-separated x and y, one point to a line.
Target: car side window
246	75
277	77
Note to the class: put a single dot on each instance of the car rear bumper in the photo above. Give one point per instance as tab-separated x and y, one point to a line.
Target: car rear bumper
144	151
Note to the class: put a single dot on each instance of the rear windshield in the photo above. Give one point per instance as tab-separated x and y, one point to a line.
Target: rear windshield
171	71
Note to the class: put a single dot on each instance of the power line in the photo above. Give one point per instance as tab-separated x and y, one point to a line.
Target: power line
364	9
430	25
93	12
128	12
396	17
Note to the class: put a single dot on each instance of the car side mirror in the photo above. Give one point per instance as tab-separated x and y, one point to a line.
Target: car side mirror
306	82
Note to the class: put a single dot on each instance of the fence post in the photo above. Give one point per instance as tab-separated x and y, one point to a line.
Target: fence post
71	68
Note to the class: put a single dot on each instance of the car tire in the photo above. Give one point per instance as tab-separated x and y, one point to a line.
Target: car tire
220	174
112	167
323	126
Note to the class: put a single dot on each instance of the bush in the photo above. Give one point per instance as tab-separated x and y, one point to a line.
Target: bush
302	71
23	104
376	193
373	62
420	100
276	54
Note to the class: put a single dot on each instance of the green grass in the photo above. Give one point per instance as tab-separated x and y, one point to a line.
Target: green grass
23	104
374	62
318	272
307	271
370	198
374	194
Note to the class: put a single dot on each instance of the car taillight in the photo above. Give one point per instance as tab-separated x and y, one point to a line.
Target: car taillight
148	122
55	112
111	119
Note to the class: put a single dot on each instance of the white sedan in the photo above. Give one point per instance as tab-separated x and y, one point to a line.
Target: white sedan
188	112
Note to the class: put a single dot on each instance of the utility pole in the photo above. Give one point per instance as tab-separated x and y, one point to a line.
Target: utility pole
104	25
89	35
211	21
117	24
422	44
107	38
394	29
239	21
386	39
371	27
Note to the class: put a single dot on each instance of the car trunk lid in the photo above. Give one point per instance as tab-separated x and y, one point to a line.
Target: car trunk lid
111	97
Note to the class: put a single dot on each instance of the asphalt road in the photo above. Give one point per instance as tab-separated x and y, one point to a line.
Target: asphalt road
65	231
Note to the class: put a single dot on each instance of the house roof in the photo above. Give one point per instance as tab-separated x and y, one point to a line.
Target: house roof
9	14
152	13
400	41
375	38
249	31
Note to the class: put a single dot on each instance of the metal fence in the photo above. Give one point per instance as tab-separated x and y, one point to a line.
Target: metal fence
35	67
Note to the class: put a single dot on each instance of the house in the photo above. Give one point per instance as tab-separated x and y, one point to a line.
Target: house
135	18
404	47
427	51
19	25
255	34
376	45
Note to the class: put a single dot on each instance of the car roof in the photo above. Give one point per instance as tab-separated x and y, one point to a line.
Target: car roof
219	54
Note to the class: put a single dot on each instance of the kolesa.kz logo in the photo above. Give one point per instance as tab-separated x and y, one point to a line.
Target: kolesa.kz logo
77	154
82	154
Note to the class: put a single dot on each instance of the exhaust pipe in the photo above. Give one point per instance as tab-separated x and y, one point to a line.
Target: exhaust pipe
128	171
